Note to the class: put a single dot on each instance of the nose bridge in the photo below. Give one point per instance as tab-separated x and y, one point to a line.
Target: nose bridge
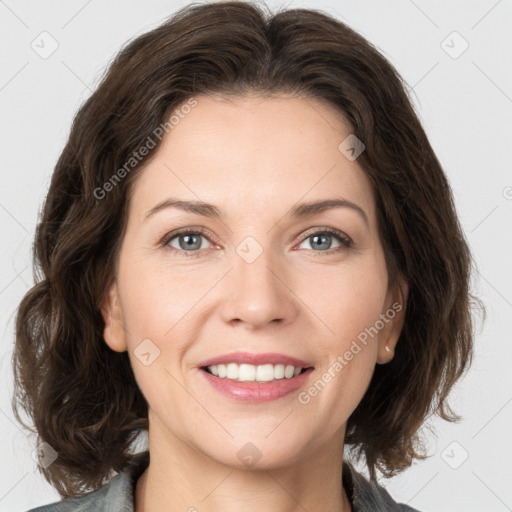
257	292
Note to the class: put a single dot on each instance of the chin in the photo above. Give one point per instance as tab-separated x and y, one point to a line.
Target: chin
258	454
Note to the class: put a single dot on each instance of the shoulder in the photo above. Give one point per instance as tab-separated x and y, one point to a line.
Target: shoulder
115	496
367	495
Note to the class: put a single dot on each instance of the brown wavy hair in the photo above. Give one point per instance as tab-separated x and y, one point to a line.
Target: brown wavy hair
81	396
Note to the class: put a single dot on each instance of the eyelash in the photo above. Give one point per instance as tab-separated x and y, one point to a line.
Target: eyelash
345	241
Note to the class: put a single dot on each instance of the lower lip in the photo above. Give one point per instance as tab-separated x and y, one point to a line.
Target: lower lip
256	392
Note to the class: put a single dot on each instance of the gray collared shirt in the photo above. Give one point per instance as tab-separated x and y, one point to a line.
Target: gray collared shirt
118	495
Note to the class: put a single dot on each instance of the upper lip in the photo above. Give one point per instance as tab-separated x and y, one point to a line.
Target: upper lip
255	359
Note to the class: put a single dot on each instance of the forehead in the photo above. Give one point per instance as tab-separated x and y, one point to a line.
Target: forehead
249	154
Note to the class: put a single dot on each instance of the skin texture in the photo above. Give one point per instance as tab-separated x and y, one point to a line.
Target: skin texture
254	158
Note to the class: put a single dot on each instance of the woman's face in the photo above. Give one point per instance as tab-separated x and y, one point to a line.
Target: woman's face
266	275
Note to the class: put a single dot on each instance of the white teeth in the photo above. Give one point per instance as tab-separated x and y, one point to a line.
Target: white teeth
265	373
279	371
246	372
232	371
250	373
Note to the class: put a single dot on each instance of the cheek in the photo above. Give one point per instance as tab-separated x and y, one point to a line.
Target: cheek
154	310
160	305
155	298
348	300
351	305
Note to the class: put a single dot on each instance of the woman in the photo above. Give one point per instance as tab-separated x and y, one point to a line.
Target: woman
249	250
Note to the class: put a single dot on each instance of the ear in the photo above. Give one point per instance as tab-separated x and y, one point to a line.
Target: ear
393	318
113	332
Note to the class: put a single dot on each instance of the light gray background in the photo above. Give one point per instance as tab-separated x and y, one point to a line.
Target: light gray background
465	104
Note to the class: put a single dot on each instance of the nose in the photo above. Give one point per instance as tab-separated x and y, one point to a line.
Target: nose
259	293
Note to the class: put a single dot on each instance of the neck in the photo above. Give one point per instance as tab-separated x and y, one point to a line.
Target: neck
180	478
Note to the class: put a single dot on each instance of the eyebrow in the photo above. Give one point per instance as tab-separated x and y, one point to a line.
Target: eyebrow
301	210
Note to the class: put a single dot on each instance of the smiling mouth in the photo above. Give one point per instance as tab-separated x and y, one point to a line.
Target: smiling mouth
255	373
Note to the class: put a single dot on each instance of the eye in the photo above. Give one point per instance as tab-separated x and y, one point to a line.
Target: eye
187	240
323	240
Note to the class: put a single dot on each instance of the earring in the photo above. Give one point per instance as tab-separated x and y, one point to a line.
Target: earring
388	349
